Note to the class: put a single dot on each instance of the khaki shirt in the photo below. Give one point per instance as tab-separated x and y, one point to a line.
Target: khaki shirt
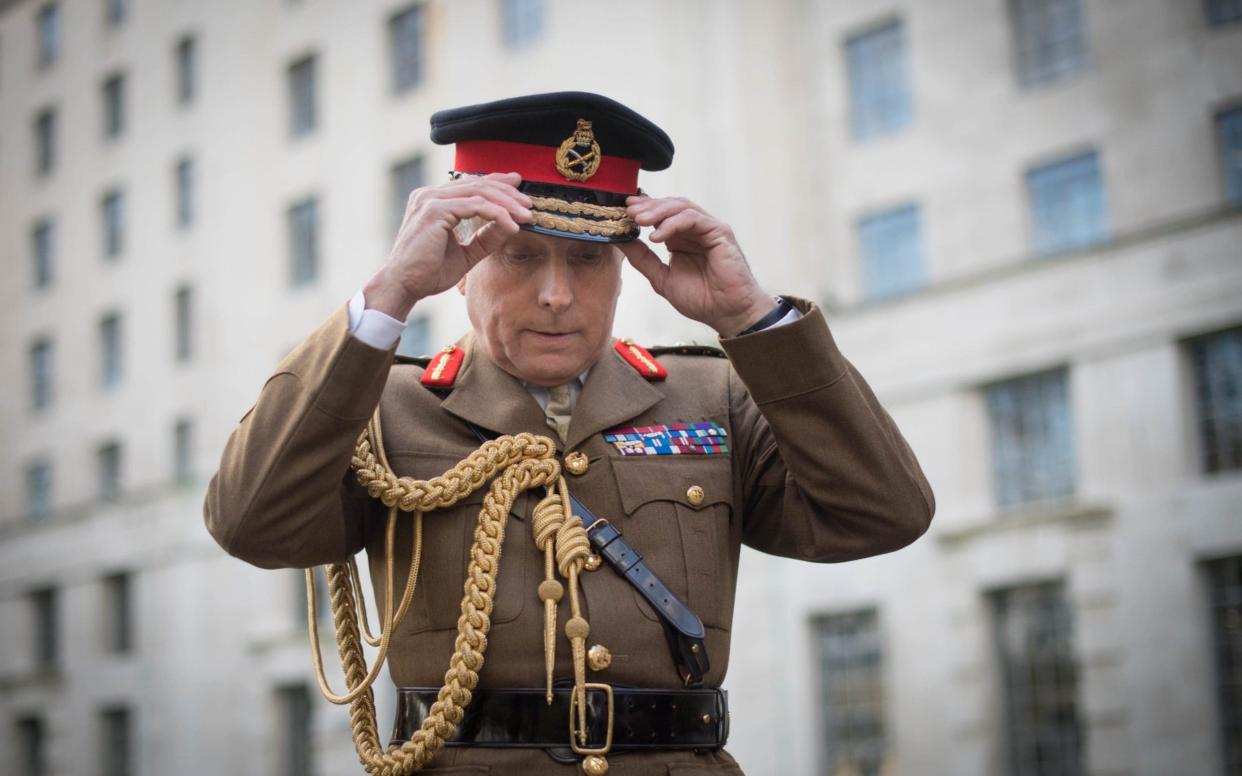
816	470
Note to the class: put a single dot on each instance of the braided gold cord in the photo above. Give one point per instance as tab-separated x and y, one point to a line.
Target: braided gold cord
517	463
577	208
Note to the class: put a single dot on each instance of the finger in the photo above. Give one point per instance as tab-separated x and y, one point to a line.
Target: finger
647	263
494	189
653	211
488	239
685	222
453	211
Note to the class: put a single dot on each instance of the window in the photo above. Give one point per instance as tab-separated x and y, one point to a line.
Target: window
183	451
45	141
1049	40
295	729
46	646
185	192
49	34
43	247
1033	630
108	460
1068	209
115	742
41	374
1032	438
113	93
879	82
405	35
112	210
186	56
1224	583
523	21
1217	361
303	242
302	97
1222	11
851	680
405	177
39	490
416	337
892	251
1229	129
183	304
110	349
115	11
118	605
30	746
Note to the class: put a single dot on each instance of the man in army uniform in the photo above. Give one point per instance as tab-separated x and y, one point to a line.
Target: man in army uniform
680	455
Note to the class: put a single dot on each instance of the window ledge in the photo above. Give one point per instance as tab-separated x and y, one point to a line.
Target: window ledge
1071	513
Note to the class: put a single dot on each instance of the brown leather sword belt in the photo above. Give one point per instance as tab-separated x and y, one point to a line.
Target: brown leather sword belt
618	718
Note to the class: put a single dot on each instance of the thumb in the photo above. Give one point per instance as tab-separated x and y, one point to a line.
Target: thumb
646	262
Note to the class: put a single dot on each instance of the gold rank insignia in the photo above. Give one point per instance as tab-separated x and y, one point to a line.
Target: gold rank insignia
578	157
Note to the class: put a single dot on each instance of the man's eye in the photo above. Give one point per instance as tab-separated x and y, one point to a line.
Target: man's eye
519	258
587	258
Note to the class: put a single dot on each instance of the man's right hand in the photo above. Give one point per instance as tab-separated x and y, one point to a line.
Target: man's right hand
427	257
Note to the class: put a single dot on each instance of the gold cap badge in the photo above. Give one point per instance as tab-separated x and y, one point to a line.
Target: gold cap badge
578	157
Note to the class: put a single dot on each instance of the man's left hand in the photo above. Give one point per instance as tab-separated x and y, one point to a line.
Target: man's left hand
706	277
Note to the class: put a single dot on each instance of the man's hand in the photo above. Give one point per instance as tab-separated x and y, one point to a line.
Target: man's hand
707	277
427	257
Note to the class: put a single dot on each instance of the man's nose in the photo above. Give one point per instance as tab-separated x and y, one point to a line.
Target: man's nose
555	285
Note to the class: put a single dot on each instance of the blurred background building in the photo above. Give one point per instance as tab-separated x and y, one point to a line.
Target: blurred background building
1022	216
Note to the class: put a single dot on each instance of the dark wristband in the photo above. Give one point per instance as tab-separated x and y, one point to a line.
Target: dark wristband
780	311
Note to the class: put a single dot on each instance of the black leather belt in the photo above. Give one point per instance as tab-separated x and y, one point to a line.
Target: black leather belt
634	718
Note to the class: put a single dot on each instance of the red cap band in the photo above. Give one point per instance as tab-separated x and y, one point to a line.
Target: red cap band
538	163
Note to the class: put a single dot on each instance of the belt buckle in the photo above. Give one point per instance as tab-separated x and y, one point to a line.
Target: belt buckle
573	716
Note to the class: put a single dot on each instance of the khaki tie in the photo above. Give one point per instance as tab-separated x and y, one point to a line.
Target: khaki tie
559	410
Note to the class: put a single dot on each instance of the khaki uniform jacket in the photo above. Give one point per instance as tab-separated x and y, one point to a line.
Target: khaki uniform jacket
816	470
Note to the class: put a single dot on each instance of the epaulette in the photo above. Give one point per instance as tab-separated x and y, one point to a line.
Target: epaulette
687	350
638	357
442	369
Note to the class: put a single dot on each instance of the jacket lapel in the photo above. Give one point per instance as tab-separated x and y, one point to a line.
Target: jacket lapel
491	398
613	394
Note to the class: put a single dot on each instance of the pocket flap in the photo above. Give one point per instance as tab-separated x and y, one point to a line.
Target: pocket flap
642	480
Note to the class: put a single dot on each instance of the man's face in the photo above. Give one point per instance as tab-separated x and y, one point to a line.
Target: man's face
542	307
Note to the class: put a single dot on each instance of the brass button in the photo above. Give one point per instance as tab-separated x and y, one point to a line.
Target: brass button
592	562
576	463
695	495
594	765
599	657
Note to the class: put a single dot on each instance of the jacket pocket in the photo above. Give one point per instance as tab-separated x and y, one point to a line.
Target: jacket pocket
677	516
448	535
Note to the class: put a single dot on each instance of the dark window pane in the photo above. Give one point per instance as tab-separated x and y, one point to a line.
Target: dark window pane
1032	438
43	249
892	251
1218	391
1050	39
1068	207
295	730
30	744
1229	130
183	451
850	657
108	461
1225	603
1034	635
1222	11
523	21
41	374
187	67
405	34
118	594
304	243
183	324
46	646
38	490
115	11
45	141
405	177
116	742
49	34
112	209
114	106
185	192
110	349
879	83
302	87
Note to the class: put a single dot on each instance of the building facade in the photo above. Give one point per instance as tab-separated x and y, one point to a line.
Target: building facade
1020	215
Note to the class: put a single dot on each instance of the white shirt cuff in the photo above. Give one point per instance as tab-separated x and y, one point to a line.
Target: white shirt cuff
372	327
789	317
